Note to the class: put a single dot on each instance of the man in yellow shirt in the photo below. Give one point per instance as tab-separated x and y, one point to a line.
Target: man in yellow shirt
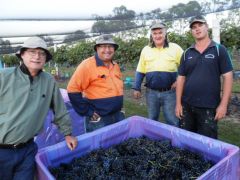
159	62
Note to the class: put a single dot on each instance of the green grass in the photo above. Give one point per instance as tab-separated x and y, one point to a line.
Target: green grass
236	86
63	84
132	109
229	132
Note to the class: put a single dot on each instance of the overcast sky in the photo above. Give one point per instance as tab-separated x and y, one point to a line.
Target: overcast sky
76	8
12	9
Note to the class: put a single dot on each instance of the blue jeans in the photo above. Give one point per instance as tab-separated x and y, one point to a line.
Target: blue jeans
166	100
18	164
105	120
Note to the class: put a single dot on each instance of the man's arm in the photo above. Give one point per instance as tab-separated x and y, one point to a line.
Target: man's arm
137	86
80	104
62	118
227	90
78	83
139	75
179	92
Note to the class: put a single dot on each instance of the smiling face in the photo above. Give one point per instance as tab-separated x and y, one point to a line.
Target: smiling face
199	30
34	59
158	36
105	52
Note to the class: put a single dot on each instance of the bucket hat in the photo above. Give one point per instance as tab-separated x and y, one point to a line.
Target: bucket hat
34	42
106	39
157	25
198	18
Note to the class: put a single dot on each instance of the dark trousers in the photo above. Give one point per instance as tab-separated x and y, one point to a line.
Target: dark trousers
199	120
105	120
18	164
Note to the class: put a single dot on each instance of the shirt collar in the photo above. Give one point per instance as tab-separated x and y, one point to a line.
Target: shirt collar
25	70
99	62
212	44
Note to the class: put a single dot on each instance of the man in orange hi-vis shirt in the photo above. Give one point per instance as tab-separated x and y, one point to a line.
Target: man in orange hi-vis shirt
96	87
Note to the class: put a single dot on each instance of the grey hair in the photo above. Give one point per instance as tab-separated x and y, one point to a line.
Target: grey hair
152	44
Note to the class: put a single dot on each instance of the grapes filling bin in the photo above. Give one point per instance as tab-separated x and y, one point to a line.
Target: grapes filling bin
225	156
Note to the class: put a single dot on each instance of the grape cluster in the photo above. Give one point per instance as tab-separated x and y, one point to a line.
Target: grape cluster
136	158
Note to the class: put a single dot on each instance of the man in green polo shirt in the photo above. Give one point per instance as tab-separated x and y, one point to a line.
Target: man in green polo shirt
26	94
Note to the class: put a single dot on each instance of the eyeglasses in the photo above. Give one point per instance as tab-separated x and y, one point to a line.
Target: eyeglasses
107	46
33	53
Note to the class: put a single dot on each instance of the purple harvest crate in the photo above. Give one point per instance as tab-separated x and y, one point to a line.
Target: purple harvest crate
64	95
50	134
226	156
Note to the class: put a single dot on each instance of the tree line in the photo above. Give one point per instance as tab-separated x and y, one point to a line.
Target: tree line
129	49
131	30
123	19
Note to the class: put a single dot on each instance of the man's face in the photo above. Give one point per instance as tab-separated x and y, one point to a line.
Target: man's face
158	36
199	30
34	59
105	52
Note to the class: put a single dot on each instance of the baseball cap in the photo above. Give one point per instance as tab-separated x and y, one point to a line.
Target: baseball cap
198	18
157	25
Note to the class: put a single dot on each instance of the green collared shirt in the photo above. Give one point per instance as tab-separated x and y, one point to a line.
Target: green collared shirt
24	105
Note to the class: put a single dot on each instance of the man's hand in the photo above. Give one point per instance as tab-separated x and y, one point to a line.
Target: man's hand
179	111
71	142
173	86
95	117
137	94
221	112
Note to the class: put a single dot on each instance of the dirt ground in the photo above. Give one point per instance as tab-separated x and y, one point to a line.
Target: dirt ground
233	114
